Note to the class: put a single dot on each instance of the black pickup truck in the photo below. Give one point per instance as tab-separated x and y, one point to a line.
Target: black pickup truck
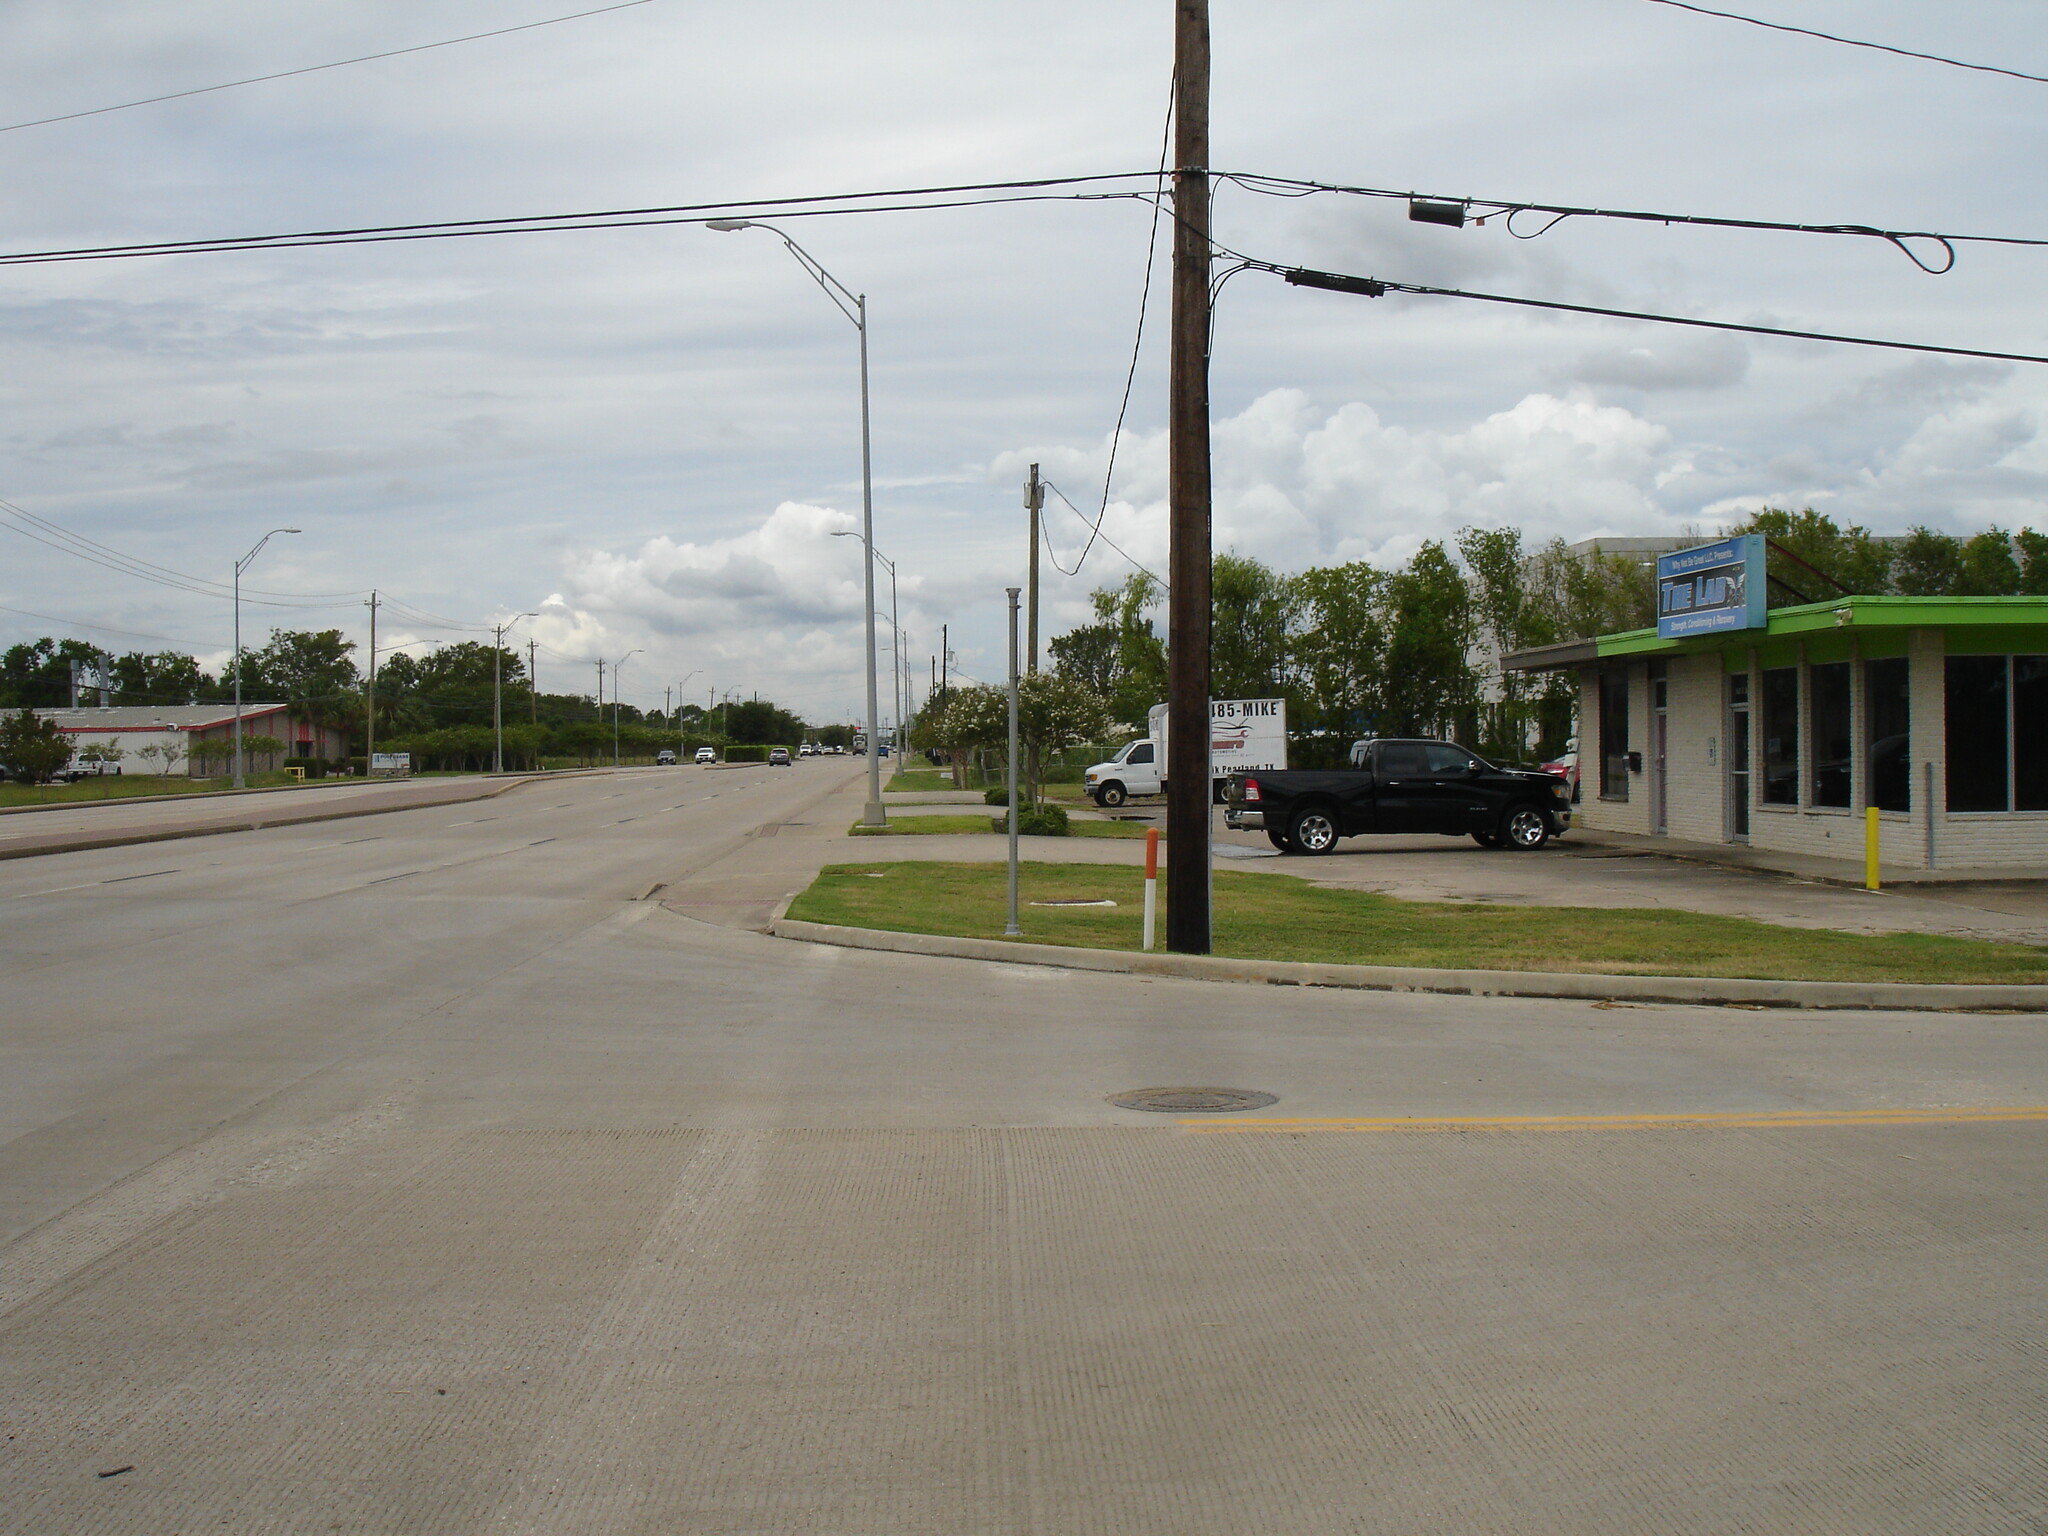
1400	786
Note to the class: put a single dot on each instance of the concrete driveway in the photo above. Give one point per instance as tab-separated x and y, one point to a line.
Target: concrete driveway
426	1173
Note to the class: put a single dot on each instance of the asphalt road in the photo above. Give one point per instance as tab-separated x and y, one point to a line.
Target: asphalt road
432	1172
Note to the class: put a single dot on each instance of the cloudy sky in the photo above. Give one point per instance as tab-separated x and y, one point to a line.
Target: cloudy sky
649	435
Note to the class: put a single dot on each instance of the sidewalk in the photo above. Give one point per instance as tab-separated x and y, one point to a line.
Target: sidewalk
1802	866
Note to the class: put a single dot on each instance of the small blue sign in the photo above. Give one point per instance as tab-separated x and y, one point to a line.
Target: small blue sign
1711	588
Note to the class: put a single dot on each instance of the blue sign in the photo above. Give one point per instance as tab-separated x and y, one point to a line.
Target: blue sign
1712	588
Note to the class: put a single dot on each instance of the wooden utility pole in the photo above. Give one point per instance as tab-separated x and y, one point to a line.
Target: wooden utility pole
945	656
1187	624
1034	500
370	712
533	680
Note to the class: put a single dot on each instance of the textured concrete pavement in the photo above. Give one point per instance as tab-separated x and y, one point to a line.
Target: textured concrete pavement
418	1174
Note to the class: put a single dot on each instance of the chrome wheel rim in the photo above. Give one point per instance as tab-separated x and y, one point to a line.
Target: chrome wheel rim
1526	829
1315	833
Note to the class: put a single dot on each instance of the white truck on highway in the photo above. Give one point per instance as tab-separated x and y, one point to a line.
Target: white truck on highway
1244	734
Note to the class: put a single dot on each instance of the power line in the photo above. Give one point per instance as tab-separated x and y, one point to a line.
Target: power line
1097	533
1373	288
1030	190
101	629
1852	42
312	69
1506	209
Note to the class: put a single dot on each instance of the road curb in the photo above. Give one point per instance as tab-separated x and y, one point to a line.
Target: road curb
87	842
1579	985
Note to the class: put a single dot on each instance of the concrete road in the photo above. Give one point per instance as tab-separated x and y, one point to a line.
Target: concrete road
418	1174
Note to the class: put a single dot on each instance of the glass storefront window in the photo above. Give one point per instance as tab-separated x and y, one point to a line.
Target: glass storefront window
1888	734
2030	733
1781	736
1977	735
1829	690
1614	735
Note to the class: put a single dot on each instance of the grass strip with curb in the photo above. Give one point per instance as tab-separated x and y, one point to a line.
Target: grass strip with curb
957	826
1281	917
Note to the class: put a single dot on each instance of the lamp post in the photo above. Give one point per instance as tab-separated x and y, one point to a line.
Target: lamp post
679	711
896	640
498	691
855	307
242	565
618	667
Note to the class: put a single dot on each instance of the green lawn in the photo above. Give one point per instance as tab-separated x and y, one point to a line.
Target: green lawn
929	826
1280	917
127	786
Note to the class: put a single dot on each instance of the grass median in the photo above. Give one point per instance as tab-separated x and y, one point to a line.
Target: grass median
936	826
1279	917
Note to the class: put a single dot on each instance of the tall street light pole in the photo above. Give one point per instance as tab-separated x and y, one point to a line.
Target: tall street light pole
855	307
679	711
498	691
618	667
242	565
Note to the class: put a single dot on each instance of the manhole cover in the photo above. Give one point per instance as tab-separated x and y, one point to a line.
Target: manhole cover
1193	1101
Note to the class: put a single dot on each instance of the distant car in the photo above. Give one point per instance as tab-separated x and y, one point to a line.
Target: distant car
707	755
778	757
807	750
664	757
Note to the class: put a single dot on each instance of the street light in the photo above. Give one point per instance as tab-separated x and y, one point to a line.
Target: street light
242	565
855	307
679	710
498	691
618	667
896	641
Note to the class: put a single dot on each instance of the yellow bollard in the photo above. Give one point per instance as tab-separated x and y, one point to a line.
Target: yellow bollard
1870	847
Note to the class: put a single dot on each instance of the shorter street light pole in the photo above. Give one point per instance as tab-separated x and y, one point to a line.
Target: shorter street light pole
896	686
498	691
678	722
618	667
242	565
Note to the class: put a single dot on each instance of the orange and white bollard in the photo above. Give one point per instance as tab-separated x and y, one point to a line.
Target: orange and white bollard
1151	883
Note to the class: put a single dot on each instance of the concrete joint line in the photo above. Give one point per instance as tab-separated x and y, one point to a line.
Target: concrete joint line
1709	990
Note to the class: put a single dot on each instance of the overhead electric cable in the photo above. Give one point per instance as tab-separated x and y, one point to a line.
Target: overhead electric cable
313	69
616	218
1373	288
1095	532
104	629
1852	42
1506	208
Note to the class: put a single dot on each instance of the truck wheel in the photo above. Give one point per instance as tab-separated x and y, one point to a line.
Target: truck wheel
1525	829
1279	839
1312	831
1110	796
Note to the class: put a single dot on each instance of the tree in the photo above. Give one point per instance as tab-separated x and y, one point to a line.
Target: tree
1052	712
1854	557
162	677
1119	656
37	673
1928	563
1339	649
32	748
1429	684
758	723
1251	611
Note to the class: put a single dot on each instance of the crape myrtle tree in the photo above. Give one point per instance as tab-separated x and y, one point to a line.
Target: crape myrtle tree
31	747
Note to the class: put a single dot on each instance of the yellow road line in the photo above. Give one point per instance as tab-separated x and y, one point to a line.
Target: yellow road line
1726	1120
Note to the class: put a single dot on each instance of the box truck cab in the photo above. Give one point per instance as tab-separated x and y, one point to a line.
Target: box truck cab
1244	734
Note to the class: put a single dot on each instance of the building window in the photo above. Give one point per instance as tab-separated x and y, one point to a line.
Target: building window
1614	735
1781	736
1888	734
1978	740
1829	692
1997	738
2030	733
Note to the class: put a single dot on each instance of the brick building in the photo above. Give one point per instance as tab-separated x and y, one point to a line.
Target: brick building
1933	709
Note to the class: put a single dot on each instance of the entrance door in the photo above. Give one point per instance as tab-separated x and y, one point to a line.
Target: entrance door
1738	758
1659	733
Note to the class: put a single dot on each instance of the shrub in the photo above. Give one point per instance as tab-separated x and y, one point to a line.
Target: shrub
1040	820
746	754
996	794
316	767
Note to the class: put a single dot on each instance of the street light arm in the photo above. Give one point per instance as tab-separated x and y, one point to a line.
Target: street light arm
247	560
850	304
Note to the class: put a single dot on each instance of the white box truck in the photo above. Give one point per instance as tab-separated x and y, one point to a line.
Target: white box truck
1243	734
